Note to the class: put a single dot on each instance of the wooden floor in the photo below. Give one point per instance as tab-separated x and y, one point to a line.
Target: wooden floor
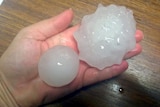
139	86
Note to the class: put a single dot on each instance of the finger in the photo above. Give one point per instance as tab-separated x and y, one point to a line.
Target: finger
139	36
92	75
88	77
134	52
52	26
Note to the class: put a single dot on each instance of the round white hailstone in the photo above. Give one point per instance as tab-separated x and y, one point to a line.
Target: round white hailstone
58	66
106	36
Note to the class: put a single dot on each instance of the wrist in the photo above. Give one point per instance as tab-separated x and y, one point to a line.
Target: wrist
6	98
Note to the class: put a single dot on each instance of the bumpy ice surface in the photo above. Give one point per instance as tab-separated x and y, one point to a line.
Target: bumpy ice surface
58	66
106	36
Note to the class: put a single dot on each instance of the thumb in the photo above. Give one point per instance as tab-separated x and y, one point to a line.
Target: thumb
51	26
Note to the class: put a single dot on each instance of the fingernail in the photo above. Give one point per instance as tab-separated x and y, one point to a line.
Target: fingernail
70	9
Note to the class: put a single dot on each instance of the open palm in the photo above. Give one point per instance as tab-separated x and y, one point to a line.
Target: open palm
19	62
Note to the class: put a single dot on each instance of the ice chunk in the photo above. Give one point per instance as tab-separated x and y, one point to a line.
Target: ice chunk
58	66
106	36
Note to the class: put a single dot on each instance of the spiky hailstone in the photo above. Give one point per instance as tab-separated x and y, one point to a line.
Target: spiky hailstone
105	36
58	66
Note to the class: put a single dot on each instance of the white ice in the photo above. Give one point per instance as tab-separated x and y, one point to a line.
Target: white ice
1	1
58	66
105	36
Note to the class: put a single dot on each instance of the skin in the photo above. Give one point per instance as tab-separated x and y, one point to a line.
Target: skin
19	62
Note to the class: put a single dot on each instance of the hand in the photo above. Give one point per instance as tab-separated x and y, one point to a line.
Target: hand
19	63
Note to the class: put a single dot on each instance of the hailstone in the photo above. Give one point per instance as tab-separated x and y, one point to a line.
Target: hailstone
58	66
105	36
